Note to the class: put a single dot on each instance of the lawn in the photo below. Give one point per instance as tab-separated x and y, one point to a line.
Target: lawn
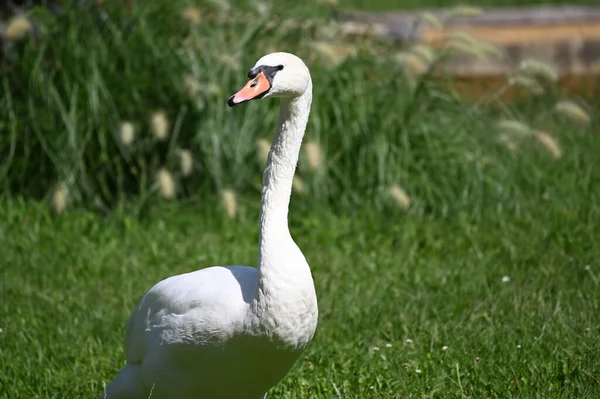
453	243
409	306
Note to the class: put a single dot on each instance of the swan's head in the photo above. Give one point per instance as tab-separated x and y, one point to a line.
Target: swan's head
282	75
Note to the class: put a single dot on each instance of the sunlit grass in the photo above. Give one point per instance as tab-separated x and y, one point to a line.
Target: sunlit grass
512	298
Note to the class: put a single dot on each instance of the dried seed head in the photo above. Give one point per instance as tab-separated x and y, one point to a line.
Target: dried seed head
192	87
465	11
509	142
399	196
331	3
186	162
423	51
431	20
221	5
513	127
160	125
213	89
261	8
465	43
60	197
229	202
463	48
572	111
313	155
17	28
549	143
127	133
262	149
166	184
230	61
528	83
413	63
539	68
299	186
192	15
463	37
489	50
332	56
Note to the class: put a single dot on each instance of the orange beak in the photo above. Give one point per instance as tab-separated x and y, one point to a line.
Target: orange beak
255	88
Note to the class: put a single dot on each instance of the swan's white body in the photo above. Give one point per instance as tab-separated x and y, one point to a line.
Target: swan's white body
233	332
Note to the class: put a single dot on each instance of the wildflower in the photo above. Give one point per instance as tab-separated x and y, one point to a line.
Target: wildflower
160	125
587	268
1	330
399	196
549	142
477	359
186	162
263	148
518	346
418	371
409	341
388	345
60	198
539	68
229	202
127	133
444	348
375	348
313	155
505	279
17	28
572	111
166	184
192	15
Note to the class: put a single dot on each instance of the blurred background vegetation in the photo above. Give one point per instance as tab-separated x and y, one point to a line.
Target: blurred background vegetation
106	108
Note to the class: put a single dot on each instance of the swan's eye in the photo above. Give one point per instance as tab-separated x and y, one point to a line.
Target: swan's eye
279	67
254	83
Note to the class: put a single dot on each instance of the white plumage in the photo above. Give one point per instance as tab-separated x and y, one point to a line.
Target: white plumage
233	332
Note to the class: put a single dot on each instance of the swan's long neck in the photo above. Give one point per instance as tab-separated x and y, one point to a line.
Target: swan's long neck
279	174
285	285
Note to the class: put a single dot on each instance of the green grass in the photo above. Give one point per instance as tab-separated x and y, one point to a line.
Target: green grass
68	285
432	274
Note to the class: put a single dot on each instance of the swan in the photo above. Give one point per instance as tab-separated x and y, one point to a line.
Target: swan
233	332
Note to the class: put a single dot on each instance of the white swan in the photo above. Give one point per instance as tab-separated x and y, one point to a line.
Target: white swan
233	332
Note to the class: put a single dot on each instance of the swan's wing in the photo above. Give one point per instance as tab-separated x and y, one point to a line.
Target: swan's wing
188	306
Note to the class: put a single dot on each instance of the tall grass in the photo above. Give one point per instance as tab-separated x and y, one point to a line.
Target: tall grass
98	105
